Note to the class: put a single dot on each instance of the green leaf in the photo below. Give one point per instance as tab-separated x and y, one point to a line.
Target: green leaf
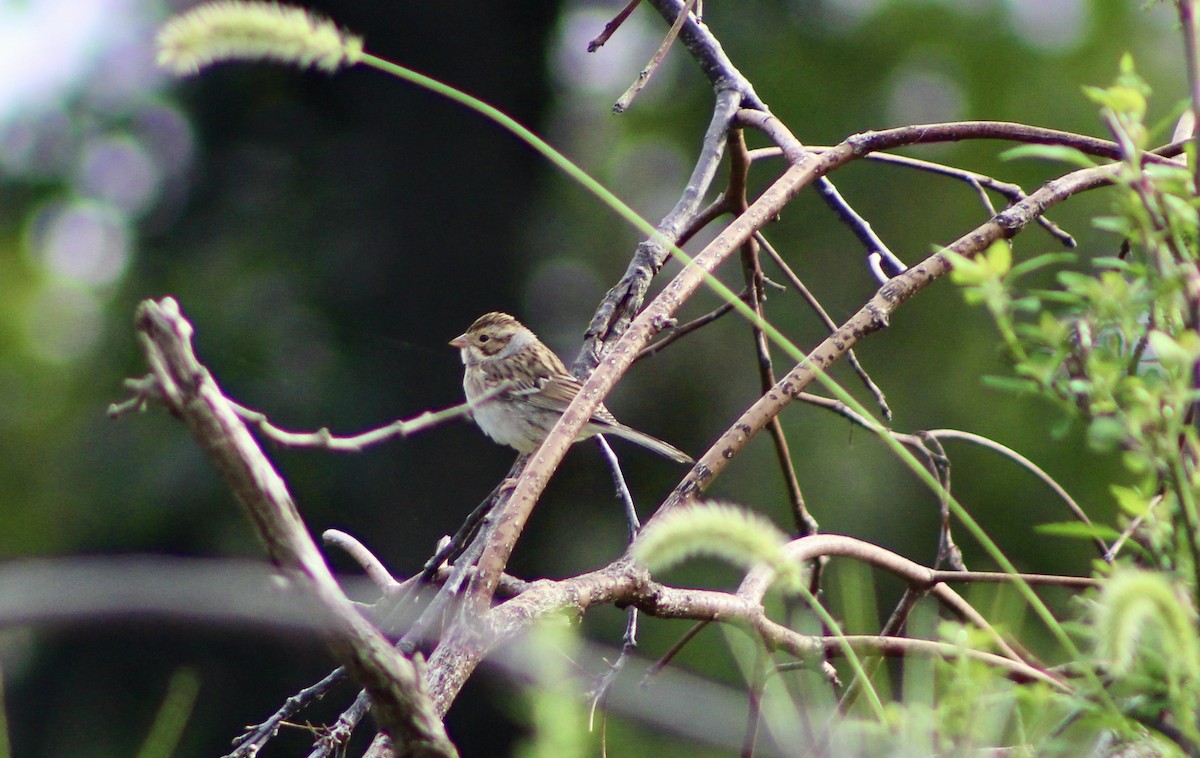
1062	427
1056	296
1011	384
1115	224
1111	262
1130	500
964	271
1041	261
1105	434
1051	153
1077	530
1027	304
1119	98
998	258
1178	354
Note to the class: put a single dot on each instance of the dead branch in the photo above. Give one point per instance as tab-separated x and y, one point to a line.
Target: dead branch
189	392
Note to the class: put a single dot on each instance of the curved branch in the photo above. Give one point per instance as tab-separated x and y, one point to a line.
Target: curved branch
1033	468
627	583
919	577
900	647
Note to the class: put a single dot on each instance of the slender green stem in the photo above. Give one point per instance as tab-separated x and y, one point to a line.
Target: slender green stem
1191	521
172	717
501	118
860	671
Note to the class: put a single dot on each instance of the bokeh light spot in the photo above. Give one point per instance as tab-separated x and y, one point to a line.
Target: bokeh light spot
613	67
167	135
847	13
1049	25
118	170
82	241
924	93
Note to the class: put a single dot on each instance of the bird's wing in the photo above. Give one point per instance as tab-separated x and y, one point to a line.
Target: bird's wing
519	385
551	393
555	393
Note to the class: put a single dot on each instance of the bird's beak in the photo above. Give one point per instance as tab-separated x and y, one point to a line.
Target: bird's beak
460	341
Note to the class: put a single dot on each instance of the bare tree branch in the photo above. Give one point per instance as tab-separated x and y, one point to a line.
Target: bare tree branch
870	318
626	297
189	392
656	60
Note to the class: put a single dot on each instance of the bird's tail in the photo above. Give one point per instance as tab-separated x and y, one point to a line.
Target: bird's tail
650	443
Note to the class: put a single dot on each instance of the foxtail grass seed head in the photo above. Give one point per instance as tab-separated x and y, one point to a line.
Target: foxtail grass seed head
227	30
720	530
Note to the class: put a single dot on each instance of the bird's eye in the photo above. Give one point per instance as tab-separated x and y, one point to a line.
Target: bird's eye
484	338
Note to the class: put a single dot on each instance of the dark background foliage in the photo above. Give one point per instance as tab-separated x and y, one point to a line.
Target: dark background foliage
328	235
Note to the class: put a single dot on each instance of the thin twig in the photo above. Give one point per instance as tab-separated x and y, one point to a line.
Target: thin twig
1033	468
665	659
373	567
875	266
144	390
814	304
976	181
322	438
708	53
625	298
612	26
916	442
755	693
899	647
939	464
891	628
628	648
1130	530
454	547
250	743
629	644
735	196
625	100
335	737
955	131
680	331
861	228
632	522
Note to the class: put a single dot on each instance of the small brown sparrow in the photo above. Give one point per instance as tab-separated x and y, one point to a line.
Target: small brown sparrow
498	349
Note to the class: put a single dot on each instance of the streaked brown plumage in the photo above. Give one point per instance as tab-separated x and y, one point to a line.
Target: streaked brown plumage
497	349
